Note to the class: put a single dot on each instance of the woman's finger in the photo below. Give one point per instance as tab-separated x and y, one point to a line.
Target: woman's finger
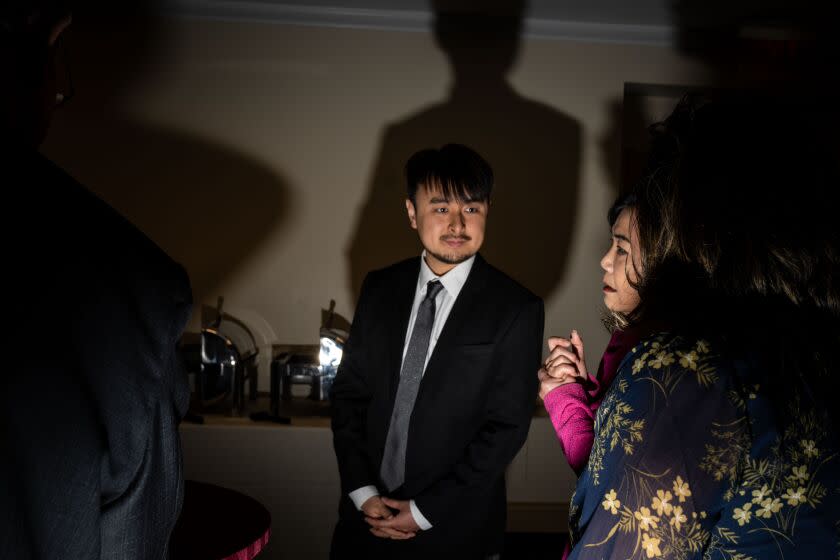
559	362
577	342
560	352
554	341
561	371
548	384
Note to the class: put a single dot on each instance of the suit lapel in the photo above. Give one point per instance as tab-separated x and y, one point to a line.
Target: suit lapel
459	318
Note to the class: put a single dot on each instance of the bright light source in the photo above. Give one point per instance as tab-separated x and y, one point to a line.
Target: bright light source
331	352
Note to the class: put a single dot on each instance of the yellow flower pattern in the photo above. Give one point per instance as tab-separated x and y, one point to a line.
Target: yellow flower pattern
681	489
610	503
656	514
688	360
809	448
743	514
638	365
794	497
646	519
769	507
760	494
613	428
662	502
661	529
679	518
662	359
651	546
799	474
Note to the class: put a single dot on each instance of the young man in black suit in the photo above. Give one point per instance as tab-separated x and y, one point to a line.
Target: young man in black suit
435	392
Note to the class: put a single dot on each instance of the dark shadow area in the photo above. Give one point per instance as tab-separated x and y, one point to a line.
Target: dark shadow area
527	546
779	47
623	164
534	150
787	50
206	206
625	144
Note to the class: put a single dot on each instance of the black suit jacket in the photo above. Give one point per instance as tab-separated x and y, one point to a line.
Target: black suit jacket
471	415
93	390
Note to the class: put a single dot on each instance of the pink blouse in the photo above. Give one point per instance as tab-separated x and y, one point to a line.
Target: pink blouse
572	407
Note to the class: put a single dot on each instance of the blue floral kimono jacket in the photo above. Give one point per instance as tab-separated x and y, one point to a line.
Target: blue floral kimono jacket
689	462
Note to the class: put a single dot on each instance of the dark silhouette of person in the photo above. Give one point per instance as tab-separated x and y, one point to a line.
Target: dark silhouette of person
91	398
205	204
533	148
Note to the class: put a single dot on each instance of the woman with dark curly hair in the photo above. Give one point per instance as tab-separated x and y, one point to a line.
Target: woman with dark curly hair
717	437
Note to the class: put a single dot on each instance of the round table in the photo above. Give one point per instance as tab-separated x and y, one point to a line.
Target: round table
219	524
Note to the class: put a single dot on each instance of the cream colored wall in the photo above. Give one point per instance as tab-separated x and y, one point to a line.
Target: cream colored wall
247	151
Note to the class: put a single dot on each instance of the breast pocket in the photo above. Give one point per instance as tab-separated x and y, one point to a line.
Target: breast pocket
474	355
454	393
472	369
474	349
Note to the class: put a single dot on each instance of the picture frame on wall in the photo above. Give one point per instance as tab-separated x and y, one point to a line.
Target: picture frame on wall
642	106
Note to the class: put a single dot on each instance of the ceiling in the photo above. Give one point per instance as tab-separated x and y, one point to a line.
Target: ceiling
622	21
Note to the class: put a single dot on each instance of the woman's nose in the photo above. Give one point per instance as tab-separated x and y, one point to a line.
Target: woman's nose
606	261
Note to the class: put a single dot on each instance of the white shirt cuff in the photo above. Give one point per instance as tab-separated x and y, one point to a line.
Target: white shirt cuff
421	521
363	494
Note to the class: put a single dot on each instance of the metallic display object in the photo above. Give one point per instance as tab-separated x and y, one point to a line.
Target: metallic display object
295	375
221	369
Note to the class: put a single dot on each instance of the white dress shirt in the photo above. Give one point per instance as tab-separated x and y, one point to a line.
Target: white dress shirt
452	283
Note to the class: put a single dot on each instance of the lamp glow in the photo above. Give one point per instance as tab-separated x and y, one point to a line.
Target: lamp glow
331	353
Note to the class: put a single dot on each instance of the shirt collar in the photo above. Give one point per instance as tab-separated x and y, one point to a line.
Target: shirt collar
452	281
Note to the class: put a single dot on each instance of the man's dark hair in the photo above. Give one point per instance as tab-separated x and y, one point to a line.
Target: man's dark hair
456	170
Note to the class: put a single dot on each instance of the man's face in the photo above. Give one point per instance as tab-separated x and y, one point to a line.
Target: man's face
451	231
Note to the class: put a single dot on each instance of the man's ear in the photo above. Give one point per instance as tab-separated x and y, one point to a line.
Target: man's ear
412	213
59	28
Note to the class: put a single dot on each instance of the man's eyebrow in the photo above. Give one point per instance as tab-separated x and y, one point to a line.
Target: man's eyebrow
465	200
622	237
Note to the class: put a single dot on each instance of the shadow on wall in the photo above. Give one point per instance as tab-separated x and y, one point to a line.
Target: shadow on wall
622	162
534	151
781	47
207	207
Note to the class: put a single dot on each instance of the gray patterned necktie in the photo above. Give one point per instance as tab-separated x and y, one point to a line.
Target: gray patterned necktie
393	460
